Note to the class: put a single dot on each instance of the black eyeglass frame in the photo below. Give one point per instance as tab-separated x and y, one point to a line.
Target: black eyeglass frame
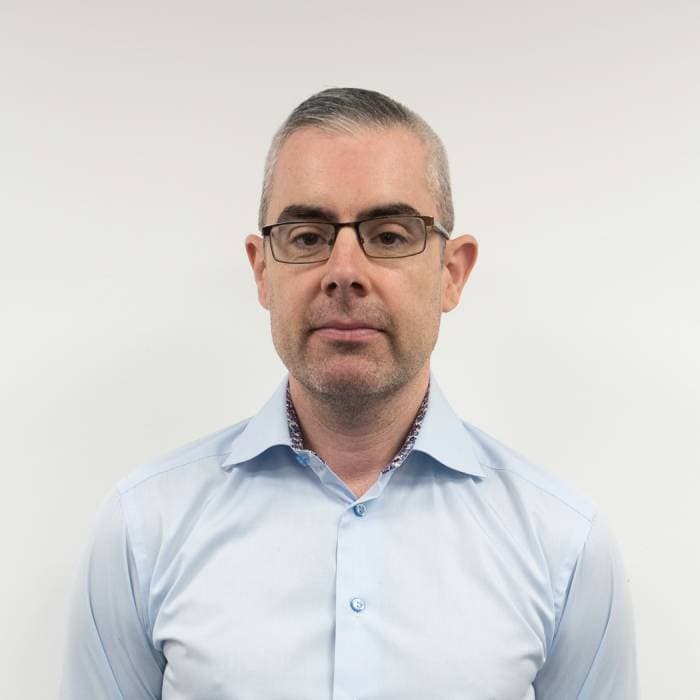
429	224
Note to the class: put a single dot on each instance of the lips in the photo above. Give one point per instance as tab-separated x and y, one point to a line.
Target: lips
347	325
347	331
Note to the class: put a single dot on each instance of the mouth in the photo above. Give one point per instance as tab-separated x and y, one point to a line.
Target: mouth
347	331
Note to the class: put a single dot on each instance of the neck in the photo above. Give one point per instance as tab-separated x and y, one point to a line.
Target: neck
357	442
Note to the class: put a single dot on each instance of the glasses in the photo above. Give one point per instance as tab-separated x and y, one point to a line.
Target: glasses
299	242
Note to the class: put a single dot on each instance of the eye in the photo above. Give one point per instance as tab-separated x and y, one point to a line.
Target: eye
389	239
306	240
307	236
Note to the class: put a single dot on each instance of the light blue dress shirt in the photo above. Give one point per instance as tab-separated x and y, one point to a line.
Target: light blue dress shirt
239	568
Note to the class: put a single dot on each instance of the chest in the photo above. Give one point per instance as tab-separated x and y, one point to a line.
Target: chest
348	603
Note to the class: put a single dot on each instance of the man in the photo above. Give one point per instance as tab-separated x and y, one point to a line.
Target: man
354	539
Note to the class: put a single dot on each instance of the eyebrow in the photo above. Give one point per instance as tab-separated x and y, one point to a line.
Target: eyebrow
393	209
306	212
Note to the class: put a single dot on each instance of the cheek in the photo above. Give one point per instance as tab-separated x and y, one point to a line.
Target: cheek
286	305
434	306
277	292
421	307
432	293
289	296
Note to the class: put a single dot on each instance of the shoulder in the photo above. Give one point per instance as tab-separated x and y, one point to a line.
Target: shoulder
150	514
160	500
508	471
535	511
531	509
198	460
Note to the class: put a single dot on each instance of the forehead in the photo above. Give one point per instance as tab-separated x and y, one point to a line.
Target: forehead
350	172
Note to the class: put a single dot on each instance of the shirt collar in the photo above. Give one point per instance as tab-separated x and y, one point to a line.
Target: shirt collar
442	436
445	438
266	429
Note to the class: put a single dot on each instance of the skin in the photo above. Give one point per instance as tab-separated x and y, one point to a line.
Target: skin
355	333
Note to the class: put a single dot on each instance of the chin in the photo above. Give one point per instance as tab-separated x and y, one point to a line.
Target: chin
352	382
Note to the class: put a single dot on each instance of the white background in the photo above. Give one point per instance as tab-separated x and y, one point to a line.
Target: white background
132	137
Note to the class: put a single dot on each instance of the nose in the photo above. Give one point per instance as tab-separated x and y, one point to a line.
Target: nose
346	271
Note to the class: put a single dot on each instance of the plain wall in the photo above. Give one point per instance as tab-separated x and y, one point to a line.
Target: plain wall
132	137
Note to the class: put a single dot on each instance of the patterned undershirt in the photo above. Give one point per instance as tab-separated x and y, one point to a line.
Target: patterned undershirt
297	438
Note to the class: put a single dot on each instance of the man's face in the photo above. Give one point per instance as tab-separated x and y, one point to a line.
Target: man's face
352	326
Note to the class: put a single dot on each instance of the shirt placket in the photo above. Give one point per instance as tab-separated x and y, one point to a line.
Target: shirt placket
355	648
353	605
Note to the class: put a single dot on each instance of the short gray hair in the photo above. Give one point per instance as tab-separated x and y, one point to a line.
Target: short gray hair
345	110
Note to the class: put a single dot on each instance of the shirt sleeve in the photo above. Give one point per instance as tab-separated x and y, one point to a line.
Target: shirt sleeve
108	653
592	656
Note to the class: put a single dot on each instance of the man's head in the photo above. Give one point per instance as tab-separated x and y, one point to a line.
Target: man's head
353	328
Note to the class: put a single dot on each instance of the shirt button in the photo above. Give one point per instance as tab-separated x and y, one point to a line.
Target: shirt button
360	510
357	604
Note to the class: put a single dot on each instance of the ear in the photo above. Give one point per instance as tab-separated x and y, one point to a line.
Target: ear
460	258
255	249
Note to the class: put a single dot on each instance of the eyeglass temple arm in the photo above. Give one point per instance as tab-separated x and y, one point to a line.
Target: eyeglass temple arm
441	230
